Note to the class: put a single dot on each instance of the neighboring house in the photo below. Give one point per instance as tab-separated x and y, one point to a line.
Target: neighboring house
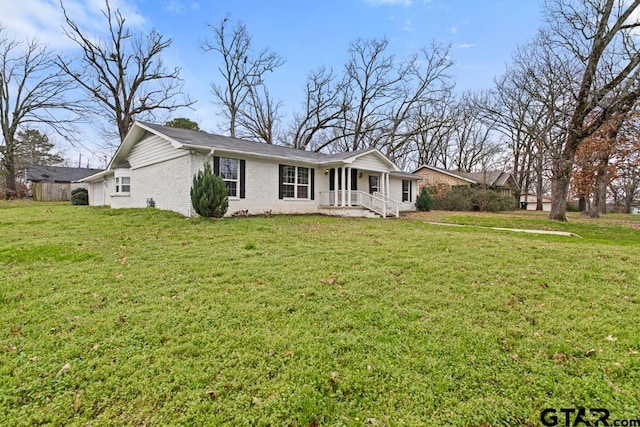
157	163
55	183
501	181
530	200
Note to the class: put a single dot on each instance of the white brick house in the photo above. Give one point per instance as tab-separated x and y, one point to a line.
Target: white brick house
158	163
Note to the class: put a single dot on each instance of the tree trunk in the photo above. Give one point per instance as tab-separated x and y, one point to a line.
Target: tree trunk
539	177
630	192
10	170
582	204
562	169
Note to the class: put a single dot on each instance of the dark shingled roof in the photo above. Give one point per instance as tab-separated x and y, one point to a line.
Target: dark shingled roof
219	142
58	173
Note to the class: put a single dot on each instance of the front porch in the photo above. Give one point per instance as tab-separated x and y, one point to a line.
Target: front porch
358	203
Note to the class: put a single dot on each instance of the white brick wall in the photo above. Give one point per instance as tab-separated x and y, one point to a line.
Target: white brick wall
169	184
261	184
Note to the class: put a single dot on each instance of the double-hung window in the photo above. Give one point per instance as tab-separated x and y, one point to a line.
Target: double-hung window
232	172
229	174
296	182
123	184
406	190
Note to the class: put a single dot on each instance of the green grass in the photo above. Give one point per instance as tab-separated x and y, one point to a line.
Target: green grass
142	317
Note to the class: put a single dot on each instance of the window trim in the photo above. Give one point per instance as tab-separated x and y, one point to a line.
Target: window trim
407	194
241	166
235	181
283	184
119	184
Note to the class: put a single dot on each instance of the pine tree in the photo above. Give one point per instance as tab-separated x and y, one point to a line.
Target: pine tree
424	202
209	194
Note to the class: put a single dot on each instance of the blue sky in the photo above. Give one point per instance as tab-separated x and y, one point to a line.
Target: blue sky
307	34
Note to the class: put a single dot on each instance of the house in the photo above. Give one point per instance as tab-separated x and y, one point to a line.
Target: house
530	200
155	165
431	176
55	183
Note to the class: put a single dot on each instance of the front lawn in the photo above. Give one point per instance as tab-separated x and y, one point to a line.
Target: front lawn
142	317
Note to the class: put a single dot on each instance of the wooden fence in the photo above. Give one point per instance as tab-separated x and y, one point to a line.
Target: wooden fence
51	191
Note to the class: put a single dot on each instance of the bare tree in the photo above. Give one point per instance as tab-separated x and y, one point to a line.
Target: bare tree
624	185
33	92
598	37
379	103
473	141
242	70
124	75
432	143
259	118
515	118
371	84
424	82
324	105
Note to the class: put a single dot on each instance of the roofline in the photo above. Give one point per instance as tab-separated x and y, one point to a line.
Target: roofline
245	153
136	128
377	152
405	175
446	172
95	176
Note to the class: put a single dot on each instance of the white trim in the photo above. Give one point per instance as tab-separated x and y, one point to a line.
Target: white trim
296	185
236	180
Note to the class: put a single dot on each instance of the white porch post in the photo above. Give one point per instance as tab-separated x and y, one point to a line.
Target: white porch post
382	183
348	186
335	187
386	185
344	181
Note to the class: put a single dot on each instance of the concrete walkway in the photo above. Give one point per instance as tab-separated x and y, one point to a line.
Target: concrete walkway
516	230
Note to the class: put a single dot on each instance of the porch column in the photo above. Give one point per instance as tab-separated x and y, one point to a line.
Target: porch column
348	186
335	187
344	181
382	182
386	185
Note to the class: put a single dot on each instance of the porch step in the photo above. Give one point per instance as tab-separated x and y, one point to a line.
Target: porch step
356	212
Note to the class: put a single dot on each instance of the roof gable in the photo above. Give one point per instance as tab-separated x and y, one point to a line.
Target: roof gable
456	175
493	178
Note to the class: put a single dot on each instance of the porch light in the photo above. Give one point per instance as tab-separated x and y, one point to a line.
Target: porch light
326	171
360	175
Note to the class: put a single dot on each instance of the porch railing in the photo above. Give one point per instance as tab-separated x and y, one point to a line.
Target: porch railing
376	202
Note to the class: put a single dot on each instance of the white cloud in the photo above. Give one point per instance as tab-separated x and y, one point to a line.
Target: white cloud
466	45
175	6
453	30
179	7
43	19
407	25
389	2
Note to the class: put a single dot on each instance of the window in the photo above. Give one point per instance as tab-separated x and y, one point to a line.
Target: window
229	173
232	172
373	184
406	190
123	184
296	182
